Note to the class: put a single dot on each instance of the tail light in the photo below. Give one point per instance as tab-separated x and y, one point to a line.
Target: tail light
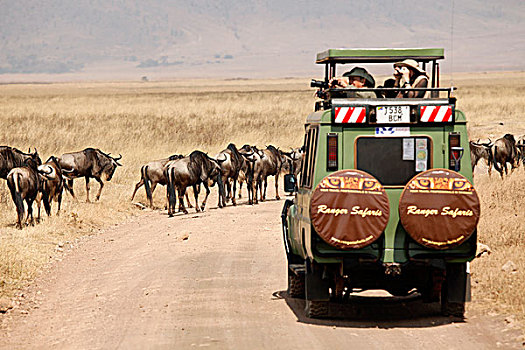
331	163
436	114
455	151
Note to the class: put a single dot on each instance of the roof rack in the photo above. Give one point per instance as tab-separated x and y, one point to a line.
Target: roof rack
384	55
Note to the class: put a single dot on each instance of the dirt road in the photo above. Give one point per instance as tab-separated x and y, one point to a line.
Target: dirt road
215	279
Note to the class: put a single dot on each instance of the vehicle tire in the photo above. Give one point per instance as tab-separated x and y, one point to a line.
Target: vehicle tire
455	282
295	285
453	309
316	309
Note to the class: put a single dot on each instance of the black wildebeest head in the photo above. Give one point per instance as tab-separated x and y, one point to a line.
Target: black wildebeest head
106	164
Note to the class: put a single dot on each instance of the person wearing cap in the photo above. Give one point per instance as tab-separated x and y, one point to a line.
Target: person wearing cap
356	78
408	75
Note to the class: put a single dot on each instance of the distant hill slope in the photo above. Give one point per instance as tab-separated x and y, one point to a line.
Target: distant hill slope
247	38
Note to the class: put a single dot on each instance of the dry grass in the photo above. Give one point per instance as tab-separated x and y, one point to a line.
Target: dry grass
144	121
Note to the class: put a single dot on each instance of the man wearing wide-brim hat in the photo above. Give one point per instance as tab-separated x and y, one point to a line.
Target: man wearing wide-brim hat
408	75
356	78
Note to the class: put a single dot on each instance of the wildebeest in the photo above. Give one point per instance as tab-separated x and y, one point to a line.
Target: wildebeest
505	151
232	162
151	175
254	163
25	185
520	144
478	151
52	183
89	163
271	166
11	157
193	170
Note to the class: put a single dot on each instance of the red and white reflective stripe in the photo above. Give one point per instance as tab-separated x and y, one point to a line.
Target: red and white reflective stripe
350	114
436	114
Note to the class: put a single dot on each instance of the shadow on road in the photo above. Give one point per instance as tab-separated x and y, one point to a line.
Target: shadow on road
374	312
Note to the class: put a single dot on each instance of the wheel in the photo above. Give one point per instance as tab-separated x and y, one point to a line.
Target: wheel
295	285
453	309
454	290
316	309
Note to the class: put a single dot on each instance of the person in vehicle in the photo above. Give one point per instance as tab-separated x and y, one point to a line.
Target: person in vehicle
407	74
356	78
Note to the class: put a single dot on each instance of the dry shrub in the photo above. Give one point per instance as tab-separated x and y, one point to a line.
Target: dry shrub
145	121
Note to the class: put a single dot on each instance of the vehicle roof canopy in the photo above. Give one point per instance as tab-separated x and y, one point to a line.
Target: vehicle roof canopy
379	55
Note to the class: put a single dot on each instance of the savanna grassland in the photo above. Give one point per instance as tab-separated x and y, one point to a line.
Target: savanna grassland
146	121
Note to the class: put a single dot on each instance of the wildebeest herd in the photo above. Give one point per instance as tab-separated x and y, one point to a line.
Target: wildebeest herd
498	153
31	181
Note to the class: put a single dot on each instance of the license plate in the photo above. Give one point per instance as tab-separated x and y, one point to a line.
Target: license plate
393	114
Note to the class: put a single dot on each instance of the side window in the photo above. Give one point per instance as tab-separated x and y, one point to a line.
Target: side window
309	160
305	163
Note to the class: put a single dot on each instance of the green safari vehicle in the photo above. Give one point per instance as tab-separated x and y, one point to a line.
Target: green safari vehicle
384	199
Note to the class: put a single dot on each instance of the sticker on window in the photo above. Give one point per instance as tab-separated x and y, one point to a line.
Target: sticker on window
421	155
408	149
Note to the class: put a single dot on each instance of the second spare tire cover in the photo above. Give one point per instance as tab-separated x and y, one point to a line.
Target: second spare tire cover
349	209
439	208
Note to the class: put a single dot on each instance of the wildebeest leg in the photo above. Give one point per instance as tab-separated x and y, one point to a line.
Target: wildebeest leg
100	189
153	187
277	186
59	201
196	196
260	185
240	189
188	200
38	205
229	191
30	211
182	192
205	198
222	199
263	194
87	189
69	187
137	186
234	188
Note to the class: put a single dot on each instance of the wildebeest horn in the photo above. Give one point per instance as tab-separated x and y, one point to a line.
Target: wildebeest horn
119	157
220	161
43	172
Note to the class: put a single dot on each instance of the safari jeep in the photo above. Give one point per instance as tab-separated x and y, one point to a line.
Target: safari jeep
384	199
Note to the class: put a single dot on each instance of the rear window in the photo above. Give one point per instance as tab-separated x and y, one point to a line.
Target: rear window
393	160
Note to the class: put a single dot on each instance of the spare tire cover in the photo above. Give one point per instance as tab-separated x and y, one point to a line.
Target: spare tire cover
349	209
439	208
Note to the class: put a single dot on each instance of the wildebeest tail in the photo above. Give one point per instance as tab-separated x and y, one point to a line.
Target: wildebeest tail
221	186
145	178
14	187
496	165
46	200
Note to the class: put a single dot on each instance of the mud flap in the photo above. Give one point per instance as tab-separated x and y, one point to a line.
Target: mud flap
316	287
457	283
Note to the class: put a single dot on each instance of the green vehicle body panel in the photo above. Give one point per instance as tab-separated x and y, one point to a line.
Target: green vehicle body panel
395	245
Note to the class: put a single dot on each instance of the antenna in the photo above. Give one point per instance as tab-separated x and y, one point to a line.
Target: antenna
452	45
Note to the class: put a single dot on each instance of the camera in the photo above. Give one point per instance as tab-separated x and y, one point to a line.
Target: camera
319	84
